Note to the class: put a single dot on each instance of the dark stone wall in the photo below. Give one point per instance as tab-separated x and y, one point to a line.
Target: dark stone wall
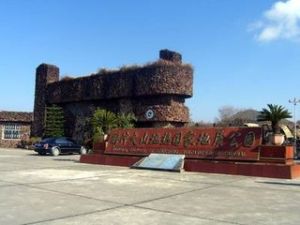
168	111
160	78
165	78
161	86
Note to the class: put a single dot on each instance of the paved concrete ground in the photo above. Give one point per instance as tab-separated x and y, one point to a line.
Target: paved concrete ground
59	190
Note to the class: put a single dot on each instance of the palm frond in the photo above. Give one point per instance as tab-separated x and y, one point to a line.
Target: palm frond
126	120
104	119
274	113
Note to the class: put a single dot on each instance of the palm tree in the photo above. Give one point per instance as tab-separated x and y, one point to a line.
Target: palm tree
103	121
274	113
126	120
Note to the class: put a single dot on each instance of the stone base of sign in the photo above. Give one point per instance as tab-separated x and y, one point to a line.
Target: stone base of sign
274	162
112	160
167	162
276	154
272	170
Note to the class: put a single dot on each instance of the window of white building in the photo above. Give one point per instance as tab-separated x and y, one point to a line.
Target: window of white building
11	131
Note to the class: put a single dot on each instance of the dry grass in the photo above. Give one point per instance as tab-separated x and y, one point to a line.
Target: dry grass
128	68
66	78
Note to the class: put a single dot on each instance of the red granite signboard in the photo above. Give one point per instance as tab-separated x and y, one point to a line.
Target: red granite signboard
230	143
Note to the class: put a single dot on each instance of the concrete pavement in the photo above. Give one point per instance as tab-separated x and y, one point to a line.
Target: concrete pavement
59	190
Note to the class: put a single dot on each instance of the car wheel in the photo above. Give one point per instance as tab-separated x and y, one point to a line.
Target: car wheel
55	151
42	153
82	151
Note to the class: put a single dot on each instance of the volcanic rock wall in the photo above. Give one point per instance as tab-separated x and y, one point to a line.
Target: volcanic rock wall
45	74
155	93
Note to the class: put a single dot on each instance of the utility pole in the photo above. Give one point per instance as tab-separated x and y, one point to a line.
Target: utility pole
295	101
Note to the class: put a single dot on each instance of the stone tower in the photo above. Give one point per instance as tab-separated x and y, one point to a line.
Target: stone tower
45	74
155	93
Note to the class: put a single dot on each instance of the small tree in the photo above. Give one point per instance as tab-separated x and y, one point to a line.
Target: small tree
225	115
54	124
274	113
226	112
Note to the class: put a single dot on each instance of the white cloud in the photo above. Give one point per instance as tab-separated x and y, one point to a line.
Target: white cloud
282	21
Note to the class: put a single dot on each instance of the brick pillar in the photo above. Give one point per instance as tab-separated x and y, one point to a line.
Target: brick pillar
45	74
172	56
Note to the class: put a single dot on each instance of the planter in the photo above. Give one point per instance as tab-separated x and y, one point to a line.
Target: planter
277	139
99	147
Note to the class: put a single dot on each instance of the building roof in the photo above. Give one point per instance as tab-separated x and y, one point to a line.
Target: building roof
7	116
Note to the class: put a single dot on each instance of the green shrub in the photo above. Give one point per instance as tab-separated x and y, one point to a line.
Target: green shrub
126	120
54	124
103	121
29	144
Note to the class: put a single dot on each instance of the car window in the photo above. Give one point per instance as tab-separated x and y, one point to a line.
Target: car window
71	141
47	140
61	141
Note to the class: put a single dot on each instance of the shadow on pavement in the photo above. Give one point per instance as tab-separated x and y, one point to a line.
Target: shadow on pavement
67	160
279	183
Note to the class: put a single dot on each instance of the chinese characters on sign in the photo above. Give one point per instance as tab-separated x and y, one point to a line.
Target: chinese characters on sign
207	143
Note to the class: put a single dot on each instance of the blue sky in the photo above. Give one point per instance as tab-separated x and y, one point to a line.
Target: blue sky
245	53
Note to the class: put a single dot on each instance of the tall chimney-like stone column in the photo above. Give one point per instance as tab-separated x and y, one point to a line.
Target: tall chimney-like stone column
45	74
172	56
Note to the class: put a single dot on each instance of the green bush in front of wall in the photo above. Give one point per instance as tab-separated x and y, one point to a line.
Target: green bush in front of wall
103	121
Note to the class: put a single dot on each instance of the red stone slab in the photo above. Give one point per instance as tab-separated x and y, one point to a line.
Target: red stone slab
112	160
230	143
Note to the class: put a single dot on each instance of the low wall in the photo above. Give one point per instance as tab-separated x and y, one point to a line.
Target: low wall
236	151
